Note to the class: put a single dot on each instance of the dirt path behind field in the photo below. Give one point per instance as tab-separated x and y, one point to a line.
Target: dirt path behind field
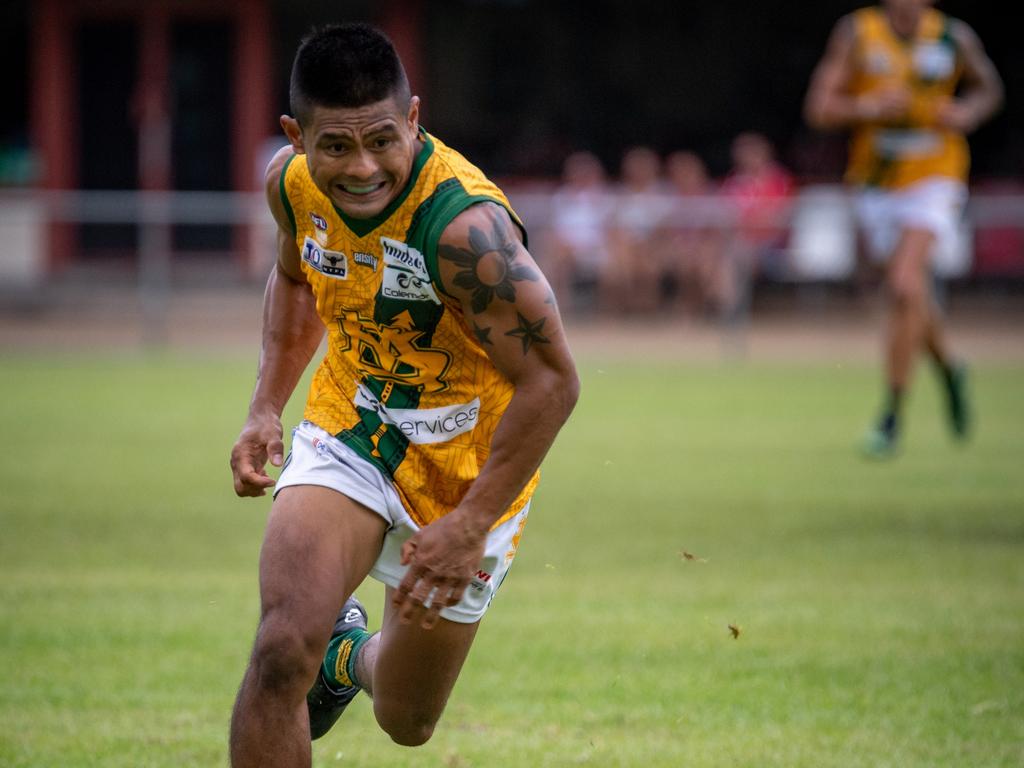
228	322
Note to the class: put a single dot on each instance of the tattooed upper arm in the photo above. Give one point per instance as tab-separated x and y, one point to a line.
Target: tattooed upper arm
508	304
485	266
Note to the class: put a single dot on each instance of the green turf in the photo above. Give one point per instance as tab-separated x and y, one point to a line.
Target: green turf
880	606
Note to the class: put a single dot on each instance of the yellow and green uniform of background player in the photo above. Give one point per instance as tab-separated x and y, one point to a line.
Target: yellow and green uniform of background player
405	382
893	155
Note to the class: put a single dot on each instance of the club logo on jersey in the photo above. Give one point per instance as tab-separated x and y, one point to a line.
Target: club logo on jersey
405	273
424	426
393	352
331	263
365	260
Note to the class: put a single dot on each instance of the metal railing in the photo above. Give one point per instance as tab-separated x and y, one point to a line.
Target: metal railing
27	219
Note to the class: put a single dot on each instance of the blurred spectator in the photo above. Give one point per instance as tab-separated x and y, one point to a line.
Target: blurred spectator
761	192
692	238
577	253
640	208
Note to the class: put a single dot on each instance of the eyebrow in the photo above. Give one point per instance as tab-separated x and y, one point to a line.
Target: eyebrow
390	125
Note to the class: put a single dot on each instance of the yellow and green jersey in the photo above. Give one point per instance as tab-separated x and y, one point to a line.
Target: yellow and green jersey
896	154
405	381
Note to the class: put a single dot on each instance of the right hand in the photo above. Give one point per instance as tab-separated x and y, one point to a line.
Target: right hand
259	441
890	103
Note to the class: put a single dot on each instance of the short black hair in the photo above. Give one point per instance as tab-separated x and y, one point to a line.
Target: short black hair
345	65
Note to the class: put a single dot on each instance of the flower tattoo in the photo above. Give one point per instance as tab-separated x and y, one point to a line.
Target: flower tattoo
488	268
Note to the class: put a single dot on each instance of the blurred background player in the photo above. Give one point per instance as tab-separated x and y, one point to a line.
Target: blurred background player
577	243
910	82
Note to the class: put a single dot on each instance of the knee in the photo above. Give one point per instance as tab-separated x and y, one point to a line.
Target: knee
283	659
407	728
907	292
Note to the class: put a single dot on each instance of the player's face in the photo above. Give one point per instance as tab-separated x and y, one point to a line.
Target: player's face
361	157
907	7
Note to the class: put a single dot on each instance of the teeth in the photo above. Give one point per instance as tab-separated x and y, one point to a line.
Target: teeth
360	190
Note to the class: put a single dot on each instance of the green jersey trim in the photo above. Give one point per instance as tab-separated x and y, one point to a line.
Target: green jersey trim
434	215
284	196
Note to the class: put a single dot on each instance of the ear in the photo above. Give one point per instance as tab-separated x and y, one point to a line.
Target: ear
293	131
413	117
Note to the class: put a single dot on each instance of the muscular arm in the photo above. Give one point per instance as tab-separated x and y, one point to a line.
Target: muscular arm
510	307
291	333
827	104
981	94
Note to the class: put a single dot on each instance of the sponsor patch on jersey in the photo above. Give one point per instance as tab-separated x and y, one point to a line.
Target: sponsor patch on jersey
405	273
331	263
365	260
896	143
424	426
934	61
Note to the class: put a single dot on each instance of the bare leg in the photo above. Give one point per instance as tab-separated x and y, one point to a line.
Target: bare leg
935	337
410	672
318	547
909	316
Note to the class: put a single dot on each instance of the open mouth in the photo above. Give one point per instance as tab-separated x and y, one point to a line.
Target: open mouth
360	190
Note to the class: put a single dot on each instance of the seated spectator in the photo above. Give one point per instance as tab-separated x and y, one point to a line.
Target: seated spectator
692	238
640	207
761	191
577	249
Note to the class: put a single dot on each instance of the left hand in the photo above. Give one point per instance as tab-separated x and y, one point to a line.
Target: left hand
956	115
442	558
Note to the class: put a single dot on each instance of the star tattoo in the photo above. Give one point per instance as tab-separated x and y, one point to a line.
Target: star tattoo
483	335
529	333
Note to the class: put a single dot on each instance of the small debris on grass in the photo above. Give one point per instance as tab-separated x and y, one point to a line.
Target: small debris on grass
734	630
690	557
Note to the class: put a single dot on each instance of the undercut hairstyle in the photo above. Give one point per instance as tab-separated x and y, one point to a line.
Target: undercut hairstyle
345	65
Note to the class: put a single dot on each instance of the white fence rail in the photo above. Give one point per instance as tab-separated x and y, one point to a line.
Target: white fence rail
821	242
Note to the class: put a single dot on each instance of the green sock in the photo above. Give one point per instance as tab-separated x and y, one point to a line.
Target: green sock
889	423
340	659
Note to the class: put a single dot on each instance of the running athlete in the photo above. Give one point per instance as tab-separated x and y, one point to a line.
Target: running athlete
910	82
446	379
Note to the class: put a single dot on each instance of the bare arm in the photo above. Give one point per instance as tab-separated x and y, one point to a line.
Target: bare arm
291	334
510	306
829	104
982	92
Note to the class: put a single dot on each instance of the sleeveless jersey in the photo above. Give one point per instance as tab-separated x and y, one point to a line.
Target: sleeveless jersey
405	382
895	154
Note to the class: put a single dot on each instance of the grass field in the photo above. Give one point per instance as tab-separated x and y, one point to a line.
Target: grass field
880	606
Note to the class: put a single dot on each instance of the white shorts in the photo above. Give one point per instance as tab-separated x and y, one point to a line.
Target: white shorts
319	458
935	204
